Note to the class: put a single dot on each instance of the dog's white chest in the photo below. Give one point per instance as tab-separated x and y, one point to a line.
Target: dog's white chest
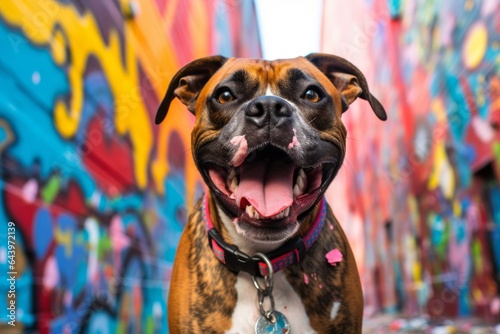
287	301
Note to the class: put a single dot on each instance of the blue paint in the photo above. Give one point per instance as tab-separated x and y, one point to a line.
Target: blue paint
37	139
24	293
437	229
459	227
222	45
44	231
494	194
98	97
458	112
173	201
23	61
68	257
102	323
3	135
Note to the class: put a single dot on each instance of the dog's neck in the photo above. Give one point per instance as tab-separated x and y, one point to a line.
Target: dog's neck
228	230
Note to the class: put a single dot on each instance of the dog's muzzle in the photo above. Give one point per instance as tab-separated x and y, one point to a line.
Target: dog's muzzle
274	169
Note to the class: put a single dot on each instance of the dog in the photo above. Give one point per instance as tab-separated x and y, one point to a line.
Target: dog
262	251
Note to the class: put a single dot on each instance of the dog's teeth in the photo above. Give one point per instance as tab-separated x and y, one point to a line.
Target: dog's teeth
234	185
296	190
252	213
302	174
300	182
249	210
232	180
286	212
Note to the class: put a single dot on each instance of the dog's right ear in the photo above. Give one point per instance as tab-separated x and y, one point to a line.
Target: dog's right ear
348	79
188	82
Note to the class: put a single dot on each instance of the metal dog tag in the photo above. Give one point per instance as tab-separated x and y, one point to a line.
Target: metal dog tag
280	325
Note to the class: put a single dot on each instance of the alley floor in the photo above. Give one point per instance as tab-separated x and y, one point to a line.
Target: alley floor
386	324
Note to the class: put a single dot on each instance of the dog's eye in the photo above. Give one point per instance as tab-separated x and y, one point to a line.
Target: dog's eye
312	95
225	96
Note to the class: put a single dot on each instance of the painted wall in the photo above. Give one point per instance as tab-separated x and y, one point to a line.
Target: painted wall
96	193
420	193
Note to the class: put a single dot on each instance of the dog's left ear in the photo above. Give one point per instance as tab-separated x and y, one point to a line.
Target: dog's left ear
188	82
348	80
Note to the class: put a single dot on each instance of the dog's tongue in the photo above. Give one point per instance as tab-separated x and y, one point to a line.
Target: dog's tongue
268	187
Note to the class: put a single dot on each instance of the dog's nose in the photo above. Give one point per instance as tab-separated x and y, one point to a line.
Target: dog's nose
268	108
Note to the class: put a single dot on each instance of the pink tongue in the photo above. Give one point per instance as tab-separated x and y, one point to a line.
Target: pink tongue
268	187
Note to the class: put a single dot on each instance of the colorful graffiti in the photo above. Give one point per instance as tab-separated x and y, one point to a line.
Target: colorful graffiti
424	186
97	193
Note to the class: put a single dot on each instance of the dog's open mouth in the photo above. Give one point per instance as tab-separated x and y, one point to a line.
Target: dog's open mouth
269	189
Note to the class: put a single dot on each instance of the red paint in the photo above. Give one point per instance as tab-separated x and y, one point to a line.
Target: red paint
108	159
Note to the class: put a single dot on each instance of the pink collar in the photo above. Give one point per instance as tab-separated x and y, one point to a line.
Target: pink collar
291	252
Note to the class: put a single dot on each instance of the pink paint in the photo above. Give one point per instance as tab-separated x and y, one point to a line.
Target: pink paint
334	256
119	239
294	141
306	279
30	190
241	151
495	306
331	227
50	274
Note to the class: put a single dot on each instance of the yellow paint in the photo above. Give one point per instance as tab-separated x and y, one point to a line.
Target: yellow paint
199	15
59	48
477	294
439	110
146	42
469	5
157	56
65	239
39	19
457	208
442	175
475	44
415	263
159	168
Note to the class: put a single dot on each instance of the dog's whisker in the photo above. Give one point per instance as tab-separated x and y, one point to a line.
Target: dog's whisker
351	138
348	164
311	121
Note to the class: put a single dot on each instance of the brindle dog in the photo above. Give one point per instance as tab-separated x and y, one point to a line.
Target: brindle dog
268	140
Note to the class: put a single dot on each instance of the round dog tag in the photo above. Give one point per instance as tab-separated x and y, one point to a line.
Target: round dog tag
264	326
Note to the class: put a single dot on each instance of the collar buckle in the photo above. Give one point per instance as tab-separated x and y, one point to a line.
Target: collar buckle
231	255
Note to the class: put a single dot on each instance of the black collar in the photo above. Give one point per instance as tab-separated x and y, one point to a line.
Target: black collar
291	252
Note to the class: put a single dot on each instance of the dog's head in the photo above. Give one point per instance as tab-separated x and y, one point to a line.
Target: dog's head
268	138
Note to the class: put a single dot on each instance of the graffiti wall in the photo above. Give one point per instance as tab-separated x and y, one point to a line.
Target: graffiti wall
93	195
421	191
